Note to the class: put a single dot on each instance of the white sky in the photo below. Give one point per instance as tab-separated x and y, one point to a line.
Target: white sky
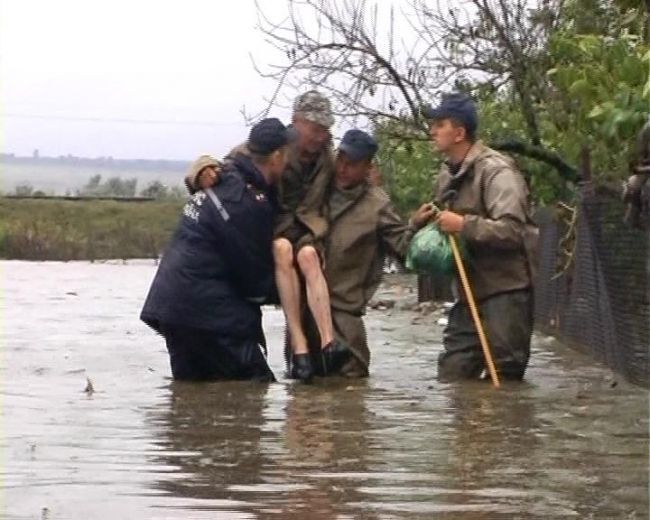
164	60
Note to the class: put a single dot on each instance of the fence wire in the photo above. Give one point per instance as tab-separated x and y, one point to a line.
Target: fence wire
601	302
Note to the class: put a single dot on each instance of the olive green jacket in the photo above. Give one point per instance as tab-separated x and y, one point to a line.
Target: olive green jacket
302	199
498	229
361	233
363	228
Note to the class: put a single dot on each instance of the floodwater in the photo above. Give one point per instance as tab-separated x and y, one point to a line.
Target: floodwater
570	442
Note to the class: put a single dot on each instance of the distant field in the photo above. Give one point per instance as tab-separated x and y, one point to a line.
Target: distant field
35	229
56	179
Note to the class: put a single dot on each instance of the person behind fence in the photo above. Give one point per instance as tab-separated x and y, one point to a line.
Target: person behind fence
218	269
636	189
488	207
300	228
363	228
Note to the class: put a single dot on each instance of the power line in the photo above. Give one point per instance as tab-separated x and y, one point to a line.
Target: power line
88	119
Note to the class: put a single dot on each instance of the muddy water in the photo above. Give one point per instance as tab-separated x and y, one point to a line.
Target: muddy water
570	442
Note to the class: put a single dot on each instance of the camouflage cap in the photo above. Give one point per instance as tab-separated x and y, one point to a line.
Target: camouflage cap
314	107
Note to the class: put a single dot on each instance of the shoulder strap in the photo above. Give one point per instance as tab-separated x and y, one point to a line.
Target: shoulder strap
217	203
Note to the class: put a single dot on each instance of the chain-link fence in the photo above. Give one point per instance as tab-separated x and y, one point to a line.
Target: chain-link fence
593	289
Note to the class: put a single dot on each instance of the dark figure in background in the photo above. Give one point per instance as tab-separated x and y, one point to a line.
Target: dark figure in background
489	210
636	191
218	269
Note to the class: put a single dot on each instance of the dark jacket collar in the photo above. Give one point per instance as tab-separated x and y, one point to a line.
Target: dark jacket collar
250	173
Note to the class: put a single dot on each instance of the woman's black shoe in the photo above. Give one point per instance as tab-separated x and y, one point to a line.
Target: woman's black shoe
335	355
300	367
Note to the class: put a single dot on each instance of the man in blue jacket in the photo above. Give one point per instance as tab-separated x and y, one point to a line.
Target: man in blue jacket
218	269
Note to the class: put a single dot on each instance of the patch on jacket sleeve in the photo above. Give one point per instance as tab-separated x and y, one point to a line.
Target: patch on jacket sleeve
256	193
192	206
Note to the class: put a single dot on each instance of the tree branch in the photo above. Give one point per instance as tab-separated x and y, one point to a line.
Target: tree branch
539	153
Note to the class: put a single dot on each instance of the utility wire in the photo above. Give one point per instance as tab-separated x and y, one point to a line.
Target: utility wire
89	119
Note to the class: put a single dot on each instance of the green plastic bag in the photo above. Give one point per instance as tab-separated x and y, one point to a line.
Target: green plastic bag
430	252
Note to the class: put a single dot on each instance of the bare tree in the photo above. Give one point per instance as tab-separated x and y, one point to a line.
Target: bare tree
337	47
384	67
497	42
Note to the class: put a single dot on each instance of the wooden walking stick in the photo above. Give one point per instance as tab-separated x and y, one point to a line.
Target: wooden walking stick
472	307
471	302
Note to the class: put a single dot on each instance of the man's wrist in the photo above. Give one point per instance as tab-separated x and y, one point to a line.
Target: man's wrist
462	223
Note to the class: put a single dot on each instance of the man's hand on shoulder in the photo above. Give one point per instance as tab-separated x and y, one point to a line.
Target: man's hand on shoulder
208	177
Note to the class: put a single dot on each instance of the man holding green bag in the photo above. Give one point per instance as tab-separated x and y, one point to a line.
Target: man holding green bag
486	201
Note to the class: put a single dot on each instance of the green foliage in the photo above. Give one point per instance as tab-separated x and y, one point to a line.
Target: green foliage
157	190
408	169
112	187
596	93
602	87
501	119
587	84
407	164
24	190
57	177
84	230
176	193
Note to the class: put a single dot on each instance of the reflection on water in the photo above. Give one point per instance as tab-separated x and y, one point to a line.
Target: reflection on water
253	448
567	443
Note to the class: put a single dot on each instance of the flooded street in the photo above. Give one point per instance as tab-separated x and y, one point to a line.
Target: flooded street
569	442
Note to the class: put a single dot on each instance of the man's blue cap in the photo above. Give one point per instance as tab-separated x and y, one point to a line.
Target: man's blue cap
358	145
456	105
268	135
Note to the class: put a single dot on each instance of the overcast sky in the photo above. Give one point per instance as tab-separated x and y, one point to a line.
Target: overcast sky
76	76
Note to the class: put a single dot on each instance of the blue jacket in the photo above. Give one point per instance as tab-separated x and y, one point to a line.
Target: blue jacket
218	268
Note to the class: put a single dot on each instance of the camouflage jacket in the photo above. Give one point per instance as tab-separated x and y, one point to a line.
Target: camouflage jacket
302	195
500	234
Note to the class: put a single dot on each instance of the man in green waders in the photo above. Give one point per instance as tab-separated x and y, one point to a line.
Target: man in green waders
488	208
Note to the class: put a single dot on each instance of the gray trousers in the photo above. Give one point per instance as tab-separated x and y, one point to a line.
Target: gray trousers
508	322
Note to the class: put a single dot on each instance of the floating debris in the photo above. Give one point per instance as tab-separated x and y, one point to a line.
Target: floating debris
382	305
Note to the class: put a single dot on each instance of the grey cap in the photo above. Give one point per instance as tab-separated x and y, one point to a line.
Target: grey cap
314	107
